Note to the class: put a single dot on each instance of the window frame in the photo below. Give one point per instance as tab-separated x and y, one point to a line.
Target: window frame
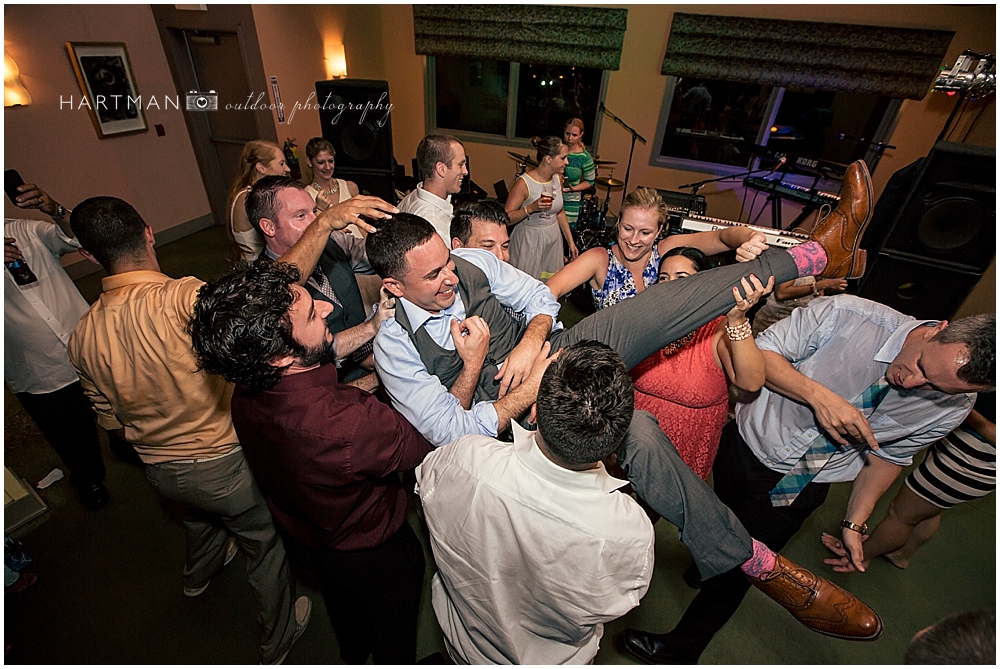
885	129
430	111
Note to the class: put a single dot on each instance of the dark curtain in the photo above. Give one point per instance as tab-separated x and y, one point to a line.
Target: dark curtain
895	62
542	34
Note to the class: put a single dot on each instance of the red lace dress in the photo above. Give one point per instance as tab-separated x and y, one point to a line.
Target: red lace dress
689	395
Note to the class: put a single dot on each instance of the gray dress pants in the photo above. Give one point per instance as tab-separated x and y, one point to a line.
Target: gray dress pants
638	327
222	496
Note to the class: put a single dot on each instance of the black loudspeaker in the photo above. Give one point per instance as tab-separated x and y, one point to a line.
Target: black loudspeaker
949	214
379	184
926	251
919	288
354	115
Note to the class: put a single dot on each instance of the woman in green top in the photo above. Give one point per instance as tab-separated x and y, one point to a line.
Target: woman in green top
580	172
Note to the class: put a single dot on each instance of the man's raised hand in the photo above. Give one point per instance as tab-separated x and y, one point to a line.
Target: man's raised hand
472	340
339	216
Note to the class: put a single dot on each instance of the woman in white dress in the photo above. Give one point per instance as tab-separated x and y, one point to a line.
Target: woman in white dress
258	159
324	188
535	207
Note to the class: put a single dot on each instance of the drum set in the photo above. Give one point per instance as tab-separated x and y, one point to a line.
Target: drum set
592	224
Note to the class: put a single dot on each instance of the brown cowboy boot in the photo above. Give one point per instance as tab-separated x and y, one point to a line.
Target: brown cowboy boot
819	604
840	232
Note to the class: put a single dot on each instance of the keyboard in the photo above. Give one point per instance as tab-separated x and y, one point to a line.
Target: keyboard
792	192
779	238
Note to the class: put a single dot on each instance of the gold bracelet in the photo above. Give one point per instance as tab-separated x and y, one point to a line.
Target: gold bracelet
860	529
740	332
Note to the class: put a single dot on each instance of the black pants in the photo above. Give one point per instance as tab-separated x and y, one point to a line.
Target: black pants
372	597
67	421
742	483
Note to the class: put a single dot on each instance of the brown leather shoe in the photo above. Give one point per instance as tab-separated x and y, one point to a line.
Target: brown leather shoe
819	604
840	232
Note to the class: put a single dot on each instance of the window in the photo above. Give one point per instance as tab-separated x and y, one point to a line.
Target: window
713	125
503	102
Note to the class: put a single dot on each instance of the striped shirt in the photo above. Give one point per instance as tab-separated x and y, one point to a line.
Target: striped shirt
845	343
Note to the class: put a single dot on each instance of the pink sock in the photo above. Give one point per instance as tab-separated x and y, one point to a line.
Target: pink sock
810	258
762	561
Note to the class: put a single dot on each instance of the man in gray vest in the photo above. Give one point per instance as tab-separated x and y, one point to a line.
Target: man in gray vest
458	366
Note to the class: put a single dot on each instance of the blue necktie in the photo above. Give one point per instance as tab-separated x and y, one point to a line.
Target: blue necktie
821	450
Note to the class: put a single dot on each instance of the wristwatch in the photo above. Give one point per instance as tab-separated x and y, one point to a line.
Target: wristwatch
860	529
60	212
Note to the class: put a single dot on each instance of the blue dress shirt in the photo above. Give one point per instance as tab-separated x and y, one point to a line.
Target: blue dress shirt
845	343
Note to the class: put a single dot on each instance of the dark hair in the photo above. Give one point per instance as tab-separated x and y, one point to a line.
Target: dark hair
979	334
261	201
697	258
546	146
434	149
110	229
387	248
487	210
241	324
317	144
585	403
964	638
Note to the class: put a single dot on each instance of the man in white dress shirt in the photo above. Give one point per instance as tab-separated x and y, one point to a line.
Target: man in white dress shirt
38	320
536	549
442	163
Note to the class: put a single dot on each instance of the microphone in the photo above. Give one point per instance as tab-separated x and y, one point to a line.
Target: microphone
781	161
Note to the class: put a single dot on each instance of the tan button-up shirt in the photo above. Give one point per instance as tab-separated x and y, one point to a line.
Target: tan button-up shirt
135	361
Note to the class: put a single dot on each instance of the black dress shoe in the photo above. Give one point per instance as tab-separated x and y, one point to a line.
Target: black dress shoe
692	577
94	496
654	648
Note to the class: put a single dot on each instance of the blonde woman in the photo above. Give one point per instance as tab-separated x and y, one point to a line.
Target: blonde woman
258	159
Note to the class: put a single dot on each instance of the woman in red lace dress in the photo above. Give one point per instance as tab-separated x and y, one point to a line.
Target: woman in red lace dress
686	385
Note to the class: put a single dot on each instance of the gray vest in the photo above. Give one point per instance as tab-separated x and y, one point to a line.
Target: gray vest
505	333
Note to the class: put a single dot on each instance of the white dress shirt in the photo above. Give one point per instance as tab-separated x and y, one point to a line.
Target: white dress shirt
422	398
532	558
427	205
39	318
846	344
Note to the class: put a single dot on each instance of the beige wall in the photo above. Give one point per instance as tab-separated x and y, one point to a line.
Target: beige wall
59	148
293	43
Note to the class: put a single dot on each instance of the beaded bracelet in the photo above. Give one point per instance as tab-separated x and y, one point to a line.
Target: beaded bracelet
740	332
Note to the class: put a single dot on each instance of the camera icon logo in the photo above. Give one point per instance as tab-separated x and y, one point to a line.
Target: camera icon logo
200	101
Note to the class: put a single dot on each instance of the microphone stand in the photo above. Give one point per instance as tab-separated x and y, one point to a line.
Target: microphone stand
635	136
696	186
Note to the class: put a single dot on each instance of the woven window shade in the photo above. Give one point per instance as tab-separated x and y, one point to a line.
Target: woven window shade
896	62
540	34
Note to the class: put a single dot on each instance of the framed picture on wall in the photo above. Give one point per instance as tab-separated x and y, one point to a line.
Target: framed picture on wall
104	72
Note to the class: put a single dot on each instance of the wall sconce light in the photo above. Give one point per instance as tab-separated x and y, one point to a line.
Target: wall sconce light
14	93
336	62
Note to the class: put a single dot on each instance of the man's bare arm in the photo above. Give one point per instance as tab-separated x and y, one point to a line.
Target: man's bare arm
517	401
306	252
521	359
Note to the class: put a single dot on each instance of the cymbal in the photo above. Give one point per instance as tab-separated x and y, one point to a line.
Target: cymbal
528	160
608	183
604	162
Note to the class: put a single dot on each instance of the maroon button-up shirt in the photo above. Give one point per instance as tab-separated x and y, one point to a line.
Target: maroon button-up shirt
325	456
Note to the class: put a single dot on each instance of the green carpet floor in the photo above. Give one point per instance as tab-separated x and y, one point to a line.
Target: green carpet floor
109	587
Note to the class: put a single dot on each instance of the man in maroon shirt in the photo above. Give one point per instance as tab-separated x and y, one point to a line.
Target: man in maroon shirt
325	455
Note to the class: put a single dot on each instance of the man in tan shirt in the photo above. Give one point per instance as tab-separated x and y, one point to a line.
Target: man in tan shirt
136	364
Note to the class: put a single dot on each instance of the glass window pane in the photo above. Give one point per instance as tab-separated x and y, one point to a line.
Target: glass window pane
549	95
714	121
472	94
827	126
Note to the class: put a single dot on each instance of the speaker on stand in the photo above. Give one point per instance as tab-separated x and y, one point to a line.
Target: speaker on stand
928	250
354	116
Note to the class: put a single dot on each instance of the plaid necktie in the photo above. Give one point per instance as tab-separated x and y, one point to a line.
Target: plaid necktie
821	450
323	283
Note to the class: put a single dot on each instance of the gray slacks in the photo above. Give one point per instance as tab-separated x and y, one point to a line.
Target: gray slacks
222	496
638	327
